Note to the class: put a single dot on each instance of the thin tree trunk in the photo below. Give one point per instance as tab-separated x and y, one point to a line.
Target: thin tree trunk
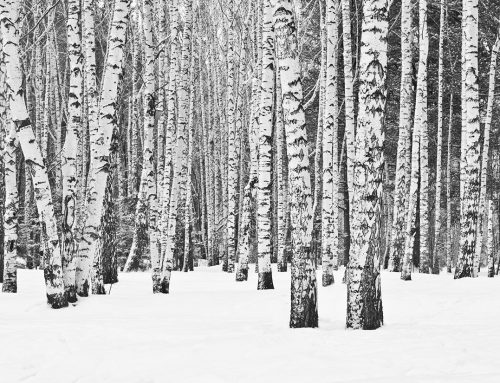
329	226
439	154
402	182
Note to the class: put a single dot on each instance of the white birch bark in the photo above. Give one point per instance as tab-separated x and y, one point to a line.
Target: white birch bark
99	162
178	188
421	119
264	235
364	301
485	153
350	123
10	23
403	160
437	210
304	307
70	148
470	156
329	237
232	175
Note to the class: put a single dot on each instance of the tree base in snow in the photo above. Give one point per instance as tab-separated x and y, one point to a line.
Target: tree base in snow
327	279
164	286
57	300
242	274
71	294
406	276
265	281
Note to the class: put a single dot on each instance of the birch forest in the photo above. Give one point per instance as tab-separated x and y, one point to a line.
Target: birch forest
293	145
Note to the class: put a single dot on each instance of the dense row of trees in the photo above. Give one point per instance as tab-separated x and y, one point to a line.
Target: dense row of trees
161	135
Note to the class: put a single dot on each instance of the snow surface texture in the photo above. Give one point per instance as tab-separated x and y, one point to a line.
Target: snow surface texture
212	329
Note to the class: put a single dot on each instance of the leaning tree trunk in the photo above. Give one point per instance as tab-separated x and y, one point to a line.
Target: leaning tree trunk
70	148
10	23
364	300
264	232
100	152
330	176
402	182
304	304
470	156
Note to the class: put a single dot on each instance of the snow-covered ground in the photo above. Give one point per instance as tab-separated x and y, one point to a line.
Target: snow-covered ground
212	329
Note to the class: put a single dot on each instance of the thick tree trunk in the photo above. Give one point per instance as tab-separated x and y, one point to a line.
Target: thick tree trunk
265	279
70	148
304	305
10	23
470	156
364	300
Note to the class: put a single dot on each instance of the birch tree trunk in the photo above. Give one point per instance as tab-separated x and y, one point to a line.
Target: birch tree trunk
329	240
350	123
448	191
101	145
402	181
10	219
245	240
439	154
304	305
264	235
148	170
421	119
485	154
70	148
489	242
470	156
10	23
232	176
178	189
364	300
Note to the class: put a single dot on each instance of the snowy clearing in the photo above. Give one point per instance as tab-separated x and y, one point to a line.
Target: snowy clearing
212	329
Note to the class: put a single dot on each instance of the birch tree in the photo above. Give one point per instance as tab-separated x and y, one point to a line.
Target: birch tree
265	280
99	161
364	300
70	148
10	24
304	305
470	156
485	153
403	164
329	237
